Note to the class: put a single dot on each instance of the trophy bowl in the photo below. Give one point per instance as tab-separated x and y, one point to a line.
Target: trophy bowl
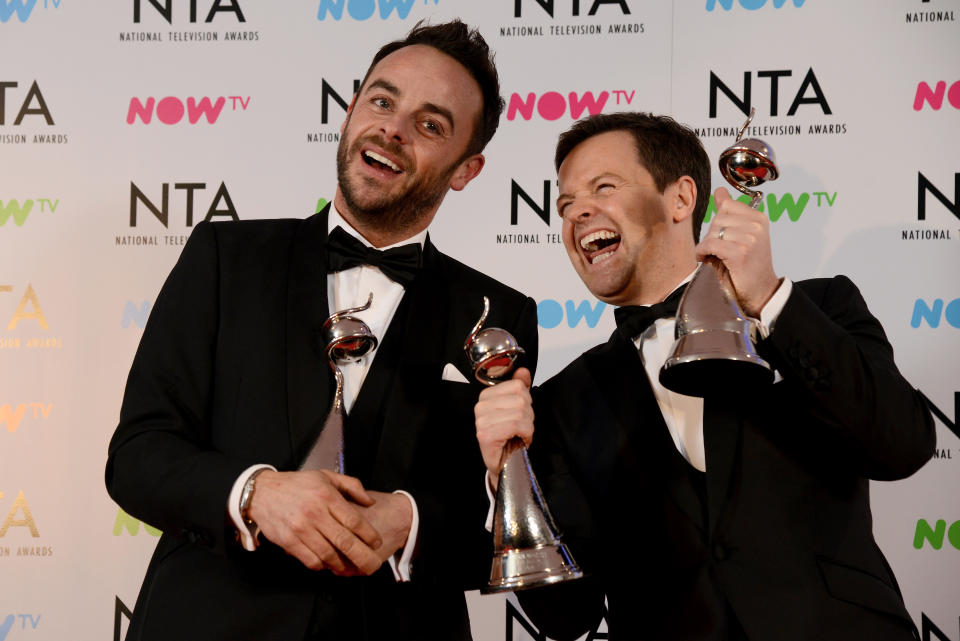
493	353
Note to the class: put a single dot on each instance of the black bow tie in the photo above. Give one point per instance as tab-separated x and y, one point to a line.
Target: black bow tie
399	264
633	320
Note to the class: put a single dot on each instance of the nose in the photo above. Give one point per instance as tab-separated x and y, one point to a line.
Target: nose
394	127
578	211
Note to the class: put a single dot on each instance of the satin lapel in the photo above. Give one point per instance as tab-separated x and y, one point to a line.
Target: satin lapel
721	437
413	391
642	440
309	379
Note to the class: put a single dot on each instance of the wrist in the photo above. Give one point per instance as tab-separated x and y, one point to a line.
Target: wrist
239	506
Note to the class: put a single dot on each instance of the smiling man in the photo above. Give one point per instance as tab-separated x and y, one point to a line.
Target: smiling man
215	427
717	519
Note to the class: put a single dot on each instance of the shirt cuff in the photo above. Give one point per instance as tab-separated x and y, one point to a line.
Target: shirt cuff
400	561
247	538
487	484
771	311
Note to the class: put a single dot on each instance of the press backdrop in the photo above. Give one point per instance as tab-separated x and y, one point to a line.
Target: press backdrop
124	123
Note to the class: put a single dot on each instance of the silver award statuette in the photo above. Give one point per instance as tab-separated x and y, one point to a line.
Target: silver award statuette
348	339
715	352
527	549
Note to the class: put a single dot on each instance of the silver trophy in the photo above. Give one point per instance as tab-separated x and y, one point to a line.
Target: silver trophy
527	548
715	351
348	340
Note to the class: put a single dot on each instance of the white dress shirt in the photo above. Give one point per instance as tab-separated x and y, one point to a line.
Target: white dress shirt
684	414
346	289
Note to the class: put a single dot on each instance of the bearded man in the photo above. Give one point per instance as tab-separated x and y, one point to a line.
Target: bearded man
231	386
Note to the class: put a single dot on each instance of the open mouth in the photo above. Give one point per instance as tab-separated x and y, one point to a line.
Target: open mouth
600	245
382	163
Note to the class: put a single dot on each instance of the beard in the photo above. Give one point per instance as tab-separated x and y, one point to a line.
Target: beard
392	213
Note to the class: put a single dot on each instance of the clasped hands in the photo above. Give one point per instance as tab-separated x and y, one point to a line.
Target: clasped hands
328	521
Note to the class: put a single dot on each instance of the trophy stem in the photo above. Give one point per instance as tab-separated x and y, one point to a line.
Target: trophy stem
327	451
347	340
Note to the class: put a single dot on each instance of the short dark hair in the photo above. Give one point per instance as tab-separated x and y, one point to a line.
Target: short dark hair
466	46
666	149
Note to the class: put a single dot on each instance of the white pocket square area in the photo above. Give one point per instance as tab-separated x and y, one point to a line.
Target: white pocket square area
452	374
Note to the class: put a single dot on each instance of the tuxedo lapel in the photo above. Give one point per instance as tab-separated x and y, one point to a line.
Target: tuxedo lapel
721	437
309	379
642	441
408	392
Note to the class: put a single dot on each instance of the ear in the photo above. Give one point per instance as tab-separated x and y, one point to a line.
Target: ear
683	198
466	171
346	119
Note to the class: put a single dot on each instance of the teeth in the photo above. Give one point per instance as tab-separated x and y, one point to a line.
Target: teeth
587	241
599	258
381	159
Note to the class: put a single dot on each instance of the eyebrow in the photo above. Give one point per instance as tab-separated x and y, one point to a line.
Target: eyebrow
431	107
593	181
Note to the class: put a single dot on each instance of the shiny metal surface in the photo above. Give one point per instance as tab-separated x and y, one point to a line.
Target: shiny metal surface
527	547
715	351
348	339
492	352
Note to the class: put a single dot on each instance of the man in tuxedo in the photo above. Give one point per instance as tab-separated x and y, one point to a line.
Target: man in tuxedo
744	516
231	385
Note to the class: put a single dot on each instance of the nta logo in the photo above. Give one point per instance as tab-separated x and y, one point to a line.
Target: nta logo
33	95
19	212
221	206
170	110
934	97
365	9
23	8
744	103
552	105
165	9
924	185
18	508
547	5
29	297
750	5
327	92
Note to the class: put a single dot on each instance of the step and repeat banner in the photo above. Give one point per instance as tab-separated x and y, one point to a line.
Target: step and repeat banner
125	123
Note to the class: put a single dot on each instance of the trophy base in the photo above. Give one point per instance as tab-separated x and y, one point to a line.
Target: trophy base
714	363
531	568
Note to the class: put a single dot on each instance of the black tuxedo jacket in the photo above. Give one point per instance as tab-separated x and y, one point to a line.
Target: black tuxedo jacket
231	371
783	539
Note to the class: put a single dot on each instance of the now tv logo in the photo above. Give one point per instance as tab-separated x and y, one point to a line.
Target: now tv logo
23	8
171	110
365	9
924	312
552	105
550	313
750	5
12	415
19	212
934	97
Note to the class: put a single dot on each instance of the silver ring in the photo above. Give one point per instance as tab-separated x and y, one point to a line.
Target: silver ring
720	233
